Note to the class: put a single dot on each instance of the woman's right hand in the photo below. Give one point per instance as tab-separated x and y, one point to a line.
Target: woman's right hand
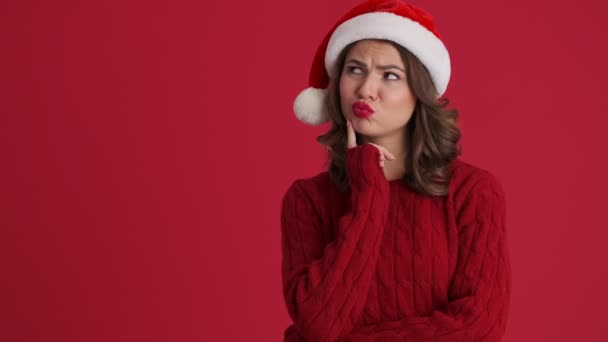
352	142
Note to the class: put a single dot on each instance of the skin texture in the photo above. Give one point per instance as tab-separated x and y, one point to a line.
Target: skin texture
387	92
352	142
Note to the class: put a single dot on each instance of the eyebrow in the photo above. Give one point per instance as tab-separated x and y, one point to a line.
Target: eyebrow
381	67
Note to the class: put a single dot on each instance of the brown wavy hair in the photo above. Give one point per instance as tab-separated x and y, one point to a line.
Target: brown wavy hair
432	133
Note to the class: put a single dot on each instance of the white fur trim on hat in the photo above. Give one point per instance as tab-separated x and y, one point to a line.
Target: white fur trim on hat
309	106
408	33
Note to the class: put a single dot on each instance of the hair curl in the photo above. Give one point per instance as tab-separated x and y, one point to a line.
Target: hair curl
432	133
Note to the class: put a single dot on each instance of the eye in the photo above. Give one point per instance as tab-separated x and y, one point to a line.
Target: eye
352	68
390	73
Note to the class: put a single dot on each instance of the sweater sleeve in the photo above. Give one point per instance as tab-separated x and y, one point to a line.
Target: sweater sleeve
481	286
325	284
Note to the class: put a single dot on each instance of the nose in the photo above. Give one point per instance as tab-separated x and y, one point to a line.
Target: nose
368	89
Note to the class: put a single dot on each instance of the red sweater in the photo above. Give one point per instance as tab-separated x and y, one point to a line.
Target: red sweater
384	263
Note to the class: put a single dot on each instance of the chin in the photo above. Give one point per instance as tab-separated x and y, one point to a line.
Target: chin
366	126
365	121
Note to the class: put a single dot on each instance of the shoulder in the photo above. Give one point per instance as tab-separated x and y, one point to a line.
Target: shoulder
469	180
312	189
478	199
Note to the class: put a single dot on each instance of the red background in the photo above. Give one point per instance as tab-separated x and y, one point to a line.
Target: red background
146	146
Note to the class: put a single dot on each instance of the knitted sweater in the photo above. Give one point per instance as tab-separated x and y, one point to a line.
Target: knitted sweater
384	263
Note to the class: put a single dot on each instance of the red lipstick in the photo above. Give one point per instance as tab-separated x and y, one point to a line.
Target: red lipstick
362	110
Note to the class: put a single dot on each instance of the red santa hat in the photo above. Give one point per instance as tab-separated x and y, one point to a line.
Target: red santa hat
392	20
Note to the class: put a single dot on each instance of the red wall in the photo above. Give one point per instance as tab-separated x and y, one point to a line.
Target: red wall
146	146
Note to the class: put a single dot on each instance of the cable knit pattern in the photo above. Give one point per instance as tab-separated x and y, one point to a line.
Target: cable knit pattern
383	263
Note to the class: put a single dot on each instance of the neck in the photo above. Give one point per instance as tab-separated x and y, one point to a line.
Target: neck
395	144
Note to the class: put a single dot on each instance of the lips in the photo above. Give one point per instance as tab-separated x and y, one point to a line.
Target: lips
362	109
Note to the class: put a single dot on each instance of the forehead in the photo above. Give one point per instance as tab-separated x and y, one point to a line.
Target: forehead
377	50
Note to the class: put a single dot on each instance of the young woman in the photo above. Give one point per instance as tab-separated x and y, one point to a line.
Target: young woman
400	239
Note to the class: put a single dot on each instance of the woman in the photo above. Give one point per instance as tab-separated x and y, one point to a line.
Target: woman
399	240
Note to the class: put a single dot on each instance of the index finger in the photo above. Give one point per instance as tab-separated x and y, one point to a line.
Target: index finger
352	139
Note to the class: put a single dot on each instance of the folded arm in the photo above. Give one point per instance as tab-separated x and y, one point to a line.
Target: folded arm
325	286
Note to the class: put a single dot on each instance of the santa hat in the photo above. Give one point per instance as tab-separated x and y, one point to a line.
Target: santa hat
391	20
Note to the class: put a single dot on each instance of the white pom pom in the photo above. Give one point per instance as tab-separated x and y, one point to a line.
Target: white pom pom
309	106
